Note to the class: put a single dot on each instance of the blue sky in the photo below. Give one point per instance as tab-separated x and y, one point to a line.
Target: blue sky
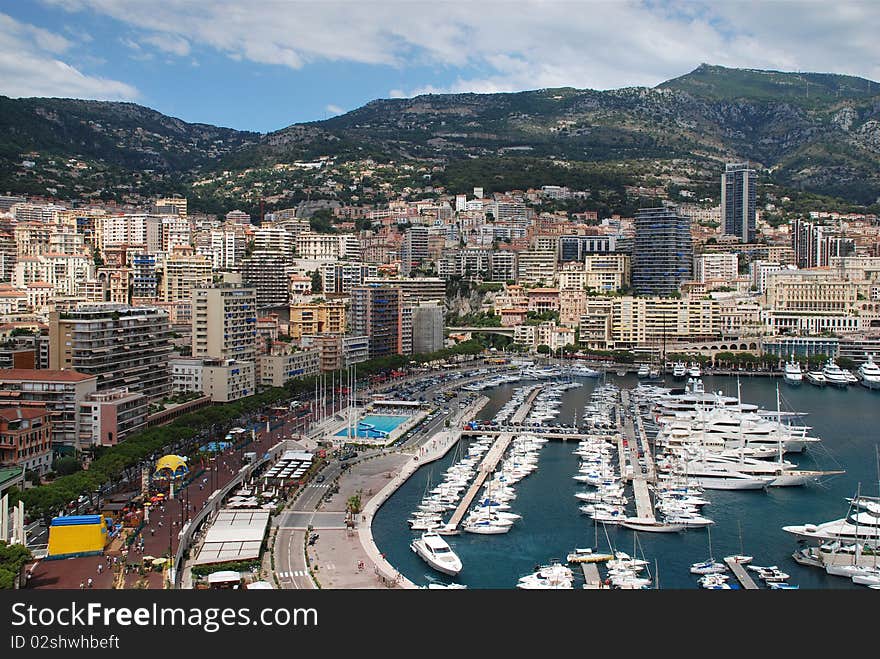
264	64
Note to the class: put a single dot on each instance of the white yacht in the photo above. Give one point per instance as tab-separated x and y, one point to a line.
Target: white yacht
552	577
723	477
679	370
437	553
793	374
694	370
584	372
834	375
869	374
862	524
817	378
644	371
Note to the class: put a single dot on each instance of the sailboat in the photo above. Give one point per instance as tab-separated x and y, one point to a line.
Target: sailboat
709	566
740	558
589	554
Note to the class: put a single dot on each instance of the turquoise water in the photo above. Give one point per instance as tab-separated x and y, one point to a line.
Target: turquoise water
847	421
375	422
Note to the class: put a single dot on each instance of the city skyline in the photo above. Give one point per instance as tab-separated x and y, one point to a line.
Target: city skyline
259	69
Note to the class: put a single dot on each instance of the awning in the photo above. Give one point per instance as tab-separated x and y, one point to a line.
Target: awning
224	576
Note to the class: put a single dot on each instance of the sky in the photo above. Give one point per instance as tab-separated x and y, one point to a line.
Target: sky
265	64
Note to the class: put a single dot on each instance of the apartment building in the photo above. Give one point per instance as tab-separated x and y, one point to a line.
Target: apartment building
268	273
224	322
536	267
107	417
340	277
376	311
316	318
338	351
630	322
276	369
119	344
716	266
60	392
26	438
413	289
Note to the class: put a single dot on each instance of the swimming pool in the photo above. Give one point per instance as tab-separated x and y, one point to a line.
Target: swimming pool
374	426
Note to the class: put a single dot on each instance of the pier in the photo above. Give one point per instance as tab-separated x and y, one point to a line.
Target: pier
741	575
644	507
540	431
489	463
592	580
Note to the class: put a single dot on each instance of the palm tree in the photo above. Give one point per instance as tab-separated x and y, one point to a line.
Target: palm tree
354	504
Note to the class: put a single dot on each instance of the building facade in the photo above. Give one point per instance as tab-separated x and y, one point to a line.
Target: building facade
662	251
738	198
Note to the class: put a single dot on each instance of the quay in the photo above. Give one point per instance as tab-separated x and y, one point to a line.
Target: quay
741	575
489	463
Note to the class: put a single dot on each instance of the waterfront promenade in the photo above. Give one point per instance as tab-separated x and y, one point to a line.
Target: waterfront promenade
345	556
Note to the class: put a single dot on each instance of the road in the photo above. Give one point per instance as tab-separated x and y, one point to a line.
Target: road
290	562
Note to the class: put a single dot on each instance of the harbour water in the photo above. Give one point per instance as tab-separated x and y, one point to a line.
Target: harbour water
848	422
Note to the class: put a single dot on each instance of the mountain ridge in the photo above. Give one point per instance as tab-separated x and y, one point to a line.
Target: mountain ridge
818	132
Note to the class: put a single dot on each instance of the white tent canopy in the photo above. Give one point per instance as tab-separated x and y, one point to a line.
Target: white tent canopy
224	576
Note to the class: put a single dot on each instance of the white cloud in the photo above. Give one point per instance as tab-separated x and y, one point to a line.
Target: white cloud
30	66
334	109
502	45
169	43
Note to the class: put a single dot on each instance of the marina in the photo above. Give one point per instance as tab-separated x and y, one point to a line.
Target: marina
551	524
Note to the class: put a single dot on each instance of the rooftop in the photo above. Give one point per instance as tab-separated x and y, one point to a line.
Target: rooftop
43	375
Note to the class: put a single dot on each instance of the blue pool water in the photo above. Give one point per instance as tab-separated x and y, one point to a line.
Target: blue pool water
375	425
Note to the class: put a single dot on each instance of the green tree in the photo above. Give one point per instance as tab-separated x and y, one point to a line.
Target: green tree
544	349
317	282
66	465
12	559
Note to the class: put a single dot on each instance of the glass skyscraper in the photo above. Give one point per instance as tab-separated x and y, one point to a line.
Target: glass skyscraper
738	187
662	256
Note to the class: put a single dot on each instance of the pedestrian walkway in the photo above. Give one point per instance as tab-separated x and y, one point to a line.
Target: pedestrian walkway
161	532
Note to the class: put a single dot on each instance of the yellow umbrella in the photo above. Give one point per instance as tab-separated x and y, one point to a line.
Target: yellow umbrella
159	561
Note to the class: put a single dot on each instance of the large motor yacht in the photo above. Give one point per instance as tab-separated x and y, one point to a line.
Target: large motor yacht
869	374
862	524
834	375
793	374
437	553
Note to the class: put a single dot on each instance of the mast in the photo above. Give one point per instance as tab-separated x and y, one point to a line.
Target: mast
778	426
739	526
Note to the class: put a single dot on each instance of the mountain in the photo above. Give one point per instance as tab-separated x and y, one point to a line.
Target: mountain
818	132
123	134
811	131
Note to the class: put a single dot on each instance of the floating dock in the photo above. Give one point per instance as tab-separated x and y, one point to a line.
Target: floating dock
490	461
741	575
592	580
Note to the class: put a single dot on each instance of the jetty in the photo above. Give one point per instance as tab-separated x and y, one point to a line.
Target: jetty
592	580
488	465
635	438
741	575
